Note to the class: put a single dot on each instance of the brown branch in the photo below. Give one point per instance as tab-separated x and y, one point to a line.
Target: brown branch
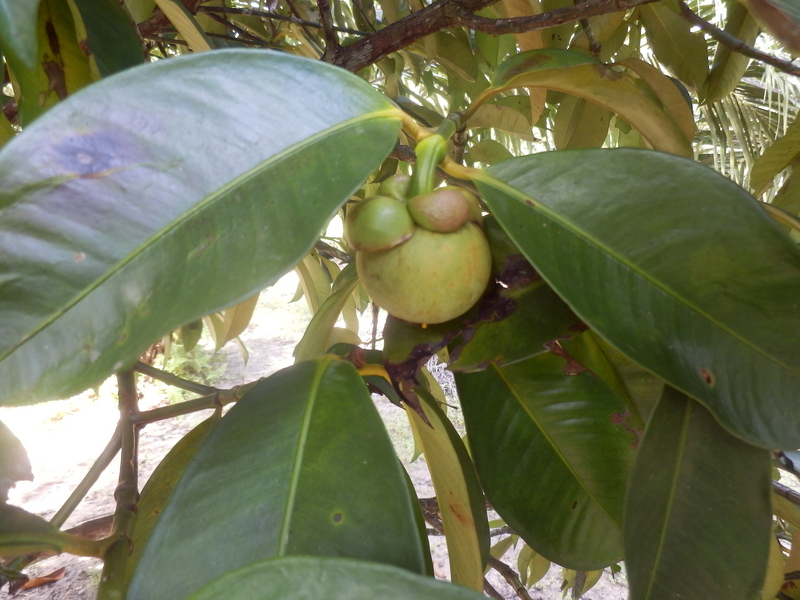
112	581
554	18
333	252
737	45
174	380
404	32
331	40
277	17
510	576
786	492
159	21
489	590
245	35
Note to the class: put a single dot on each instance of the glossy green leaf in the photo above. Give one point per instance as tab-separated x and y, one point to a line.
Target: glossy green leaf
301	465
783	153
162	482
108	35
140	10
119	224
680	50
14	463
512	324
318	335
61	66
728	66
658	265
307	578
564	436
698	517
18	30
582	76
589	352
580	124
461	501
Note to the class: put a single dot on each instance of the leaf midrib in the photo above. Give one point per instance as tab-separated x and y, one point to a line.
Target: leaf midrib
186	216
671	502
299	454
593	242
553	445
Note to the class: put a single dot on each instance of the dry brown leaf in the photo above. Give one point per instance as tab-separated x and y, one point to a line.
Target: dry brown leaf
49	578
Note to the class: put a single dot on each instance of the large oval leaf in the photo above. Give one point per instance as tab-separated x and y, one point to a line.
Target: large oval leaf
165	193
676	266
698	517
301	465
553	454
307	578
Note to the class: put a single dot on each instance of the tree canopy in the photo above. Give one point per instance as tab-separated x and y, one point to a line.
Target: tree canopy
587	210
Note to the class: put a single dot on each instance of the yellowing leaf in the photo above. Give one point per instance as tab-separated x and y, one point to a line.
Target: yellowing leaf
186	24
502	117
580	124
671	98
775	564
675	46
781	18
783	153
458	492
529	40
236	319
728	66
580	75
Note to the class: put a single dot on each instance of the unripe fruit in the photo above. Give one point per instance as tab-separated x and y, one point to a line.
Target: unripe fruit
395	187
442	211
378	223
431	278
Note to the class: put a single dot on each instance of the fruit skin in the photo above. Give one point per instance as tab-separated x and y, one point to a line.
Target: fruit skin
431	278
443	211
378	223
395	187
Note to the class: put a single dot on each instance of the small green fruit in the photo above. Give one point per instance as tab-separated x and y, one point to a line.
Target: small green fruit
443	211
395	187
378	223
431	278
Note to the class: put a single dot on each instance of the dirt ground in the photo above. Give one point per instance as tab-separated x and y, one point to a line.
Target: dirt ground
63	439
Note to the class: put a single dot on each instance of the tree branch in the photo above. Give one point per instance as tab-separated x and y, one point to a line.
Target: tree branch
554	18
112	582
451	13
331	41
174	380
277	17
510	576
737	45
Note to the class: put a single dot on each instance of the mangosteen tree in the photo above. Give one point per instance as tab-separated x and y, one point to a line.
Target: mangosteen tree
586	211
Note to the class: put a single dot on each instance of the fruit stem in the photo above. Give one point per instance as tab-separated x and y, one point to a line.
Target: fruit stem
430	152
